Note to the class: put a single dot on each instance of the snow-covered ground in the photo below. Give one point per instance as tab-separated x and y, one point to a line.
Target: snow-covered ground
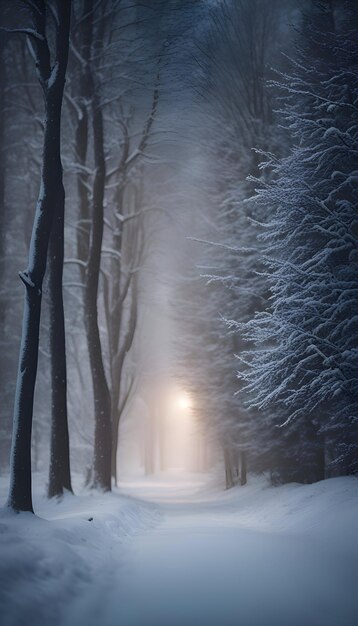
179	551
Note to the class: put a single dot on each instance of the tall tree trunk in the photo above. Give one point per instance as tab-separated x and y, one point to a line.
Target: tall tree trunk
3	308
2	159
51	192
102	404
59	473
228	468
115	437
243	477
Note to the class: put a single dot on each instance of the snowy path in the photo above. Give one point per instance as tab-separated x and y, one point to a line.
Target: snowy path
203	565
253	557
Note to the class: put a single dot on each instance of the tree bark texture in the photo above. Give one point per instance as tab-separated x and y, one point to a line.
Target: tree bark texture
102	402
59	473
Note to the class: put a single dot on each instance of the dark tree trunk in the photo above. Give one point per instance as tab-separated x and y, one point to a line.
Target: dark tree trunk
243	476
102	403
228	468
2	156
4	442
52	82
115	434
20	493
59	473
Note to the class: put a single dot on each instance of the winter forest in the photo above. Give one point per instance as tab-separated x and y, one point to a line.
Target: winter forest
179	312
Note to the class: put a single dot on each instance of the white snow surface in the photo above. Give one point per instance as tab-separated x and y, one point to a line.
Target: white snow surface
180	551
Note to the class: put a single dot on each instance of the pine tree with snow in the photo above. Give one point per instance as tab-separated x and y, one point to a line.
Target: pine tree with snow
303	371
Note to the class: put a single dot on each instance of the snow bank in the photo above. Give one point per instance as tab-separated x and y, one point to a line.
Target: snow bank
329	506
49	560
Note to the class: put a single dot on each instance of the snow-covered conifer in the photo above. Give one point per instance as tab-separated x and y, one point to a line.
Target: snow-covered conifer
303	371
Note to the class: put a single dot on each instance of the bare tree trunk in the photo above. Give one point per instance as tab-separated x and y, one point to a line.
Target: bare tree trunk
3	440
2	155
115	434
51	192
59	473
102	402
228	468
243	477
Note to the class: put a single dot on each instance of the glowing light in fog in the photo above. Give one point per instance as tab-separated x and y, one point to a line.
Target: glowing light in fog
184	401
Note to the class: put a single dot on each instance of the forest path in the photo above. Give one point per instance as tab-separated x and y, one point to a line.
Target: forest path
212	560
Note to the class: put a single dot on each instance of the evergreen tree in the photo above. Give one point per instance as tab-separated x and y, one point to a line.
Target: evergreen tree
303	371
